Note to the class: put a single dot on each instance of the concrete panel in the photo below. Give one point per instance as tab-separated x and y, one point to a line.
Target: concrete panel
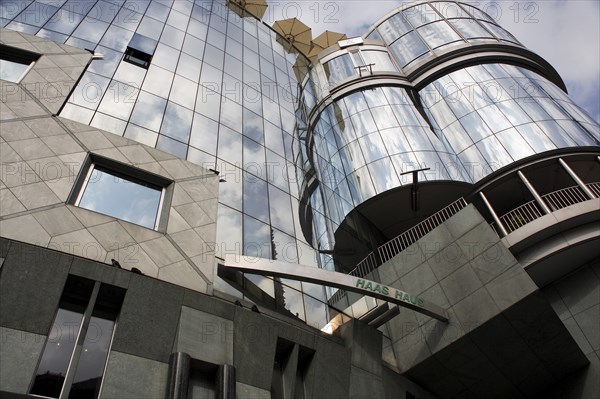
100	272
205	336
511	287
460	284
589	322
134	377
476	309
24	349
25	271
255	340
464	221
364	384
149	318
364	342
580	290
329	371
208	304
245	391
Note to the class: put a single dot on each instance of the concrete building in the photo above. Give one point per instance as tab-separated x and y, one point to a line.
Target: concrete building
163	163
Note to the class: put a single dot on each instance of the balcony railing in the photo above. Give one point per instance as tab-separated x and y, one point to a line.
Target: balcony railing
555	200
398	244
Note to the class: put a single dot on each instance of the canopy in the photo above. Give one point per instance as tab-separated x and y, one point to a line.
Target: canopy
294	34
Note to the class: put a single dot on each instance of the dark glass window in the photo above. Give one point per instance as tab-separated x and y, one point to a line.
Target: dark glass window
140	50
79	341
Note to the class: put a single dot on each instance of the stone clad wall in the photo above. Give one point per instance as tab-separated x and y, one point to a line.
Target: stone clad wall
502	340
41	156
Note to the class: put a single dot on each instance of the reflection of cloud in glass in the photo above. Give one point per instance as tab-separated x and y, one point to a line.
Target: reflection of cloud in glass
11	71
121	198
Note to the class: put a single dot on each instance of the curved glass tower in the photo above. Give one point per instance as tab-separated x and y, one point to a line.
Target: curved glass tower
436	86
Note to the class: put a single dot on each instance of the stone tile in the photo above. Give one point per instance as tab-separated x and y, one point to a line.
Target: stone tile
35	195
31	149
24	228
17	130
62	144
578	335
132	256
464	221
194	215
190	243
33	78
133	377
447	261
589	322
580	290
407	260
176	222
196	190
136	154
5	113
23	349
411	350
151	309
9	204
43	127
117	140
477	240
476	309
63	60
439	335
492	262
48	47
206	264
139	233
11	37
7	154
176	168
44	62
52	168
419	279
154	167
79	243
210	206
26	108
551	294
161	251
112	153
250	392
461	283
93	140
435	241
53	74
57	221
74	126
160	155
111	236
18	173
182	274
61	187
510	287
205	336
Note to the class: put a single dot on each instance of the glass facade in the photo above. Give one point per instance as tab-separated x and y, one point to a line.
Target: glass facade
194	79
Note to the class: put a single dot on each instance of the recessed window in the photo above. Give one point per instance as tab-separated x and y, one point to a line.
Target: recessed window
15	63
72	364
140	51
123	192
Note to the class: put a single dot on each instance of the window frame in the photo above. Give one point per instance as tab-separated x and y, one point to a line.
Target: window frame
18	56
127	172
80	337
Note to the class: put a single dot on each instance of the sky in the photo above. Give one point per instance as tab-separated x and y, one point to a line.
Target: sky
564	33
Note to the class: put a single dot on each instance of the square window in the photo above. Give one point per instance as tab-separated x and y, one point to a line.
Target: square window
124	192
140	51
15	63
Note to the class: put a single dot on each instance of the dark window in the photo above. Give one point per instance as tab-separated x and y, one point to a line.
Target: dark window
140	51
78	344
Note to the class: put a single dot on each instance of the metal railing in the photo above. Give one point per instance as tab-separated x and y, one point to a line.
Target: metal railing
398	244
556	200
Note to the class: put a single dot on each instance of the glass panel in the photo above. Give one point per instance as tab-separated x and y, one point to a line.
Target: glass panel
339	68
12	71
381	60
438	34
124	198
177	122
408	48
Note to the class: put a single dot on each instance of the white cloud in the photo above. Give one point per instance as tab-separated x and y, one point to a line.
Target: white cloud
565	33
